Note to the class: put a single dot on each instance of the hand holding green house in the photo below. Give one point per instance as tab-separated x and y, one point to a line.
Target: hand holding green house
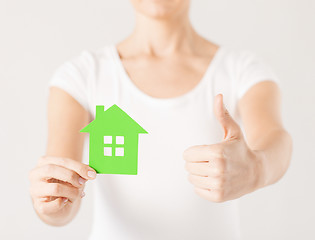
113	141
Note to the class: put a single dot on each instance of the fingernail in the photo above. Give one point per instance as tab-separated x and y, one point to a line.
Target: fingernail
81	180
82	194
91	174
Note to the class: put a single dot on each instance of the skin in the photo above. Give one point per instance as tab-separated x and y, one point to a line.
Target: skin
173	58
58	180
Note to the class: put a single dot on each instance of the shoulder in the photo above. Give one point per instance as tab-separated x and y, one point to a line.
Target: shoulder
102	53
241	62
77	74
91	57
85	62
249	68
238	57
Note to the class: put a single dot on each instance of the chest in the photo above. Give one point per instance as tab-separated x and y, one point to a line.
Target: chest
166	78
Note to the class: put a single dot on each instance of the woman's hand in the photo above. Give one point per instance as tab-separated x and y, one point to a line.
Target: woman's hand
226	170
56	186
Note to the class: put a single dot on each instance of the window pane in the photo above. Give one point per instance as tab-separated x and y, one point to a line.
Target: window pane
119	139
119	152
108	139
107	151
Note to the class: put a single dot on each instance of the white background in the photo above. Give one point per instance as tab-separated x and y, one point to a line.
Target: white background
37	36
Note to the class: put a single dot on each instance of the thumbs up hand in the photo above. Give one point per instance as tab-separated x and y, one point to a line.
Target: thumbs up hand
226	170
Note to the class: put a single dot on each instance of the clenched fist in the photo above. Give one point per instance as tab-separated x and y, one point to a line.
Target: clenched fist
225	170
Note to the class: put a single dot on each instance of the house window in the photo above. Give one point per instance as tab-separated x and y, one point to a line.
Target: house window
107	151
119	139
119	151
114	148
108	139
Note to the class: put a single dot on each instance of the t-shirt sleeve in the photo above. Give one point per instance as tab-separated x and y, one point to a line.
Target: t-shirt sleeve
72	76
252	69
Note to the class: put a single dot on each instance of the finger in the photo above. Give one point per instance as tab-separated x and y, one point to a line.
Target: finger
203	169
203	153
49	171
42	189
209	183
210	195
230	127
83	170
49	207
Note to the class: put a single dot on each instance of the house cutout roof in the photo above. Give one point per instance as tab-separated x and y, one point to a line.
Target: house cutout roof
113	120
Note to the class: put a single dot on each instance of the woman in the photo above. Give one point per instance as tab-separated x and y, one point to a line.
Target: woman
171	81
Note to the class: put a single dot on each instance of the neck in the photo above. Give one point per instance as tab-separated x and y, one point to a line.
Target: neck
161	37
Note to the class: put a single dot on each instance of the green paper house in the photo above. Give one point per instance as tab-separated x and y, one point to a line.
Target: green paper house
113	141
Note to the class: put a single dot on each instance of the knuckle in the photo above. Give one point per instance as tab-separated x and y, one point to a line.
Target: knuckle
77	192
219	184
218	171
219	197
62	161
205	181
55	188
48	168
82	169
217	149
58	203
73	177
221	165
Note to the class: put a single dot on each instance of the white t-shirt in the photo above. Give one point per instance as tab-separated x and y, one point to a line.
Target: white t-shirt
159	202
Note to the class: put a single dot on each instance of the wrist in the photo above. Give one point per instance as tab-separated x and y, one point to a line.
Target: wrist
259	172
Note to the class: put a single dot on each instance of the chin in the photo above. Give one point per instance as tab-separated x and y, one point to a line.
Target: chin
160	8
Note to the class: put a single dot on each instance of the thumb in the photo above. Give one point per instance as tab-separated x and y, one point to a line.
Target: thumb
230	127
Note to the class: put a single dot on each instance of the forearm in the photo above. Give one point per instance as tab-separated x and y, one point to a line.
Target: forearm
274	150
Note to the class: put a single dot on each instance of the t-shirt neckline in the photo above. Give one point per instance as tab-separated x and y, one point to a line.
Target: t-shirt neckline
166	101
